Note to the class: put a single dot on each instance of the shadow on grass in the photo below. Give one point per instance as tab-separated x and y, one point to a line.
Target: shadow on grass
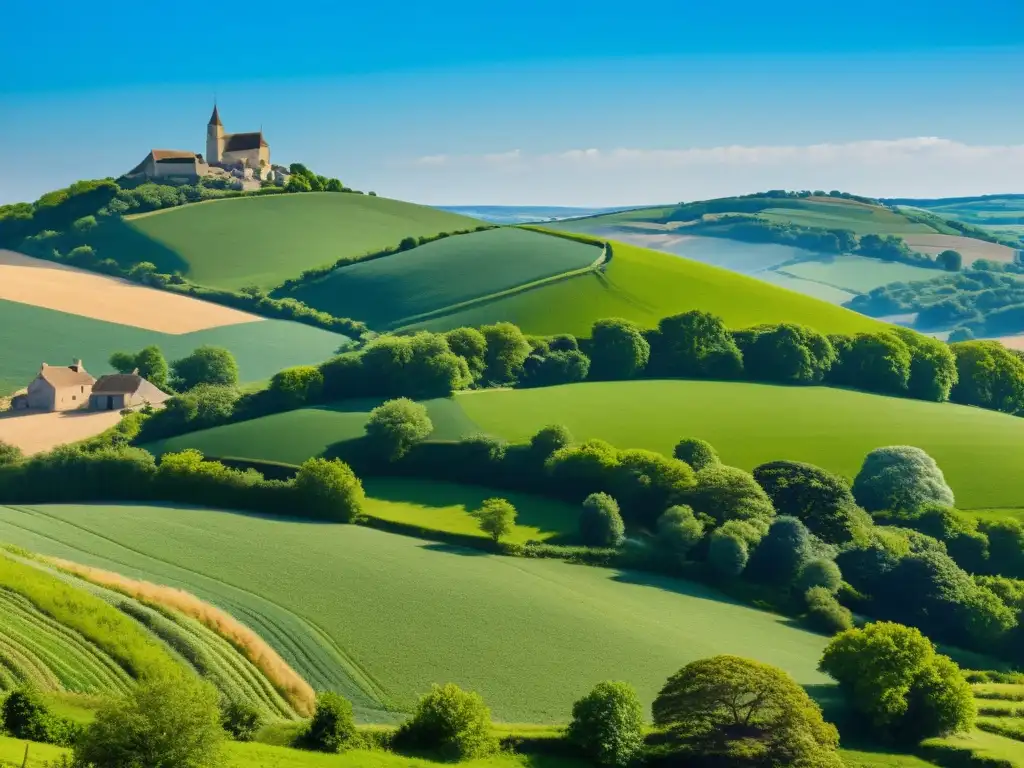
119	240
456	549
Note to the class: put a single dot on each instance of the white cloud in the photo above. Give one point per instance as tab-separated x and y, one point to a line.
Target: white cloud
924	166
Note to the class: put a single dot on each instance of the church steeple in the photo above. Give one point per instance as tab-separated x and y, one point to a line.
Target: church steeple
215	117
214	137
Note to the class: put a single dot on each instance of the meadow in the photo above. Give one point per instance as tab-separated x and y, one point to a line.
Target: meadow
530	636
748	424
860	219
385	292
857	274
294	436
644	286
30	336
265	240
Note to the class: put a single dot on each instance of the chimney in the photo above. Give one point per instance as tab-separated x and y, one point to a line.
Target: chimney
77	367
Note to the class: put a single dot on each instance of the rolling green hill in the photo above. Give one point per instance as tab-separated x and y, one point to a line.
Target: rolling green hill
389	291
644	286
530	636
265	240
1003	215
748	424
30	336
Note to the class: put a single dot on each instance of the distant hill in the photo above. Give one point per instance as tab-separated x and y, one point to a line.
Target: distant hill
644	286
526	214
1002	215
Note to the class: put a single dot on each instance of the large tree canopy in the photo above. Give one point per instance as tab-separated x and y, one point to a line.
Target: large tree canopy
756	714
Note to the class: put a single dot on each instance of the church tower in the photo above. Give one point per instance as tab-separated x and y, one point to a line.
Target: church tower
214	138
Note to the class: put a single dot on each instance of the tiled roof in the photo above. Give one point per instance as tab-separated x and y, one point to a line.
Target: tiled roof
65	376
238	142
118	383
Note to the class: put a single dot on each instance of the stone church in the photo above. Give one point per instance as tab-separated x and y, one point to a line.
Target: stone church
246	155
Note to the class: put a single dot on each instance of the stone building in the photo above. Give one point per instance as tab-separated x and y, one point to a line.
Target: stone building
118	391
249	150
57	388
171	164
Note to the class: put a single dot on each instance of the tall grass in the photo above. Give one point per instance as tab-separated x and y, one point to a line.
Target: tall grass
286	680
122	639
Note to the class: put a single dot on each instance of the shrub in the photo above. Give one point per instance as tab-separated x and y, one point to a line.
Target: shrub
728	493
900	478
328	489
824	613
727	554
551	368
455	724
497	518
397	425
608	724
579	470
820	499
679	531
781	553
618	350
241	720
695	344
697	453
297	386
786	353
332	728
206	365
730	711
471	346
820	573
507	350
173	721
26	716
549	439
894	679
646	483
932	366
876	362
600	522
989	376
10	454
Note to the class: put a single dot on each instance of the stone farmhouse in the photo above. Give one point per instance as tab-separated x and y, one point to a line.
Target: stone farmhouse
71	387
245	157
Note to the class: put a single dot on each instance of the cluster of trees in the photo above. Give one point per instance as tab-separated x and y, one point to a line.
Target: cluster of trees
722	710
302	179
986	300
890	545
324	489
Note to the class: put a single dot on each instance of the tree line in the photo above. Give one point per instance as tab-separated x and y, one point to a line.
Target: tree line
718	711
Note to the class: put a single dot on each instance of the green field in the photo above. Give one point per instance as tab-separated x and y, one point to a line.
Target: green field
398	613
860	219
857	273
294	436
446	507
30	336
385	292
644	286
748	424
265	240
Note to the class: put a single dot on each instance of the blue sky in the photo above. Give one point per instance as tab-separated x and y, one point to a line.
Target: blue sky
564	102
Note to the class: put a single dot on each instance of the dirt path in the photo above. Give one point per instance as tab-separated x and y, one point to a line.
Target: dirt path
47	284
38	432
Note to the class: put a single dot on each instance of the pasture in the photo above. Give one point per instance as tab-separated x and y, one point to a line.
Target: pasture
294	436
385	292
749	424
395	614
644	286
30	336
49	285
858	218
856	274
968	247
265	240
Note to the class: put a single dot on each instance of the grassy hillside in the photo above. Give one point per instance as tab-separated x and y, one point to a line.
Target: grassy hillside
1002	215
644	286
387	291
749	424
30	336
265	240
530	635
